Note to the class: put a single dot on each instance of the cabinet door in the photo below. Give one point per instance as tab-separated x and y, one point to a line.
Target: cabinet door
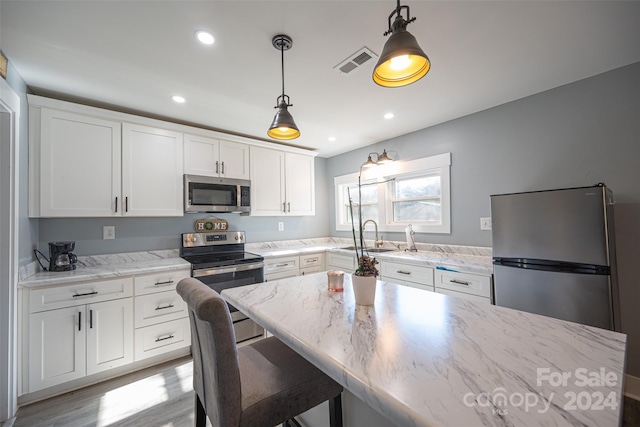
201	155
234	160
300	184
151	171
267	182
109	335
79	165
56	347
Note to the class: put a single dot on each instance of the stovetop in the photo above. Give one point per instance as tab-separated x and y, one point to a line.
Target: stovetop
221	259
216	249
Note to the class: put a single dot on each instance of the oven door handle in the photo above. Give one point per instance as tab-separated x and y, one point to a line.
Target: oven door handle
229	269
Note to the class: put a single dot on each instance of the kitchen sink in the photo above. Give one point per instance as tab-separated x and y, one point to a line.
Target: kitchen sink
373	250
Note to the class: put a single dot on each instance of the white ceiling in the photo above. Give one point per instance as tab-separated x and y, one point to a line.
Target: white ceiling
136	54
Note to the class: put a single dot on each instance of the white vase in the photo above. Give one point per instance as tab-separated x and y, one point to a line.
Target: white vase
364	289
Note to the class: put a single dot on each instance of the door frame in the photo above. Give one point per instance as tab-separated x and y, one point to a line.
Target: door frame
9	130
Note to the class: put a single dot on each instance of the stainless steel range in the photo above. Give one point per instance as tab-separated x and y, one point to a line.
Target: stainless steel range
218	260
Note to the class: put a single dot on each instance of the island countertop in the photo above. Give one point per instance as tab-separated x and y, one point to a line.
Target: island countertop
425	359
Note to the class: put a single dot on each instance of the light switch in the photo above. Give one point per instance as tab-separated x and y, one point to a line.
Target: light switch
485	223
280	226
108	232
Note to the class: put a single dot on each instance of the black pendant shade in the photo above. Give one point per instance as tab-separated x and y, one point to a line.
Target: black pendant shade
283	126
402	61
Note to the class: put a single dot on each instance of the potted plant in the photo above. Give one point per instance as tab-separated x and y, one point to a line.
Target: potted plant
365	276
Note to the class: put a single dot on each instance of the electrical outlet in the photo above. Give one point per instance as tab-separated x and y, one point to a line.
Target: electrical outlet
485	223
280	226
108	232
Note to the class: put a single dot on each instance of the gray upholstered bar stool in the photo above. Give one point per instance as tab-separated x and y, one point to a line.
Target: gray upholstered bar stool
261	384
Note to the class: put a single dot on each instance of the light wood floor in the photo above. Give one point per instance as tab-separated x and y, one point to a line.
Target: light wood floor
158	396
154	397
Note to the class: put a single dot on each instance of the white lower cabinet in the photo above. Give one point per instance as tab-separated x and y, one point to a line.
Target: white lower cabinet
311	263
76	330
346	263
83	339
471	286
416	276
161	316
281	267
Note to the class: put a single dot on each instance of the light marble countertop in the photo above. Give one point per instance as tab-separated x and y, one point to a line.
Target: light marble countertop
97	267
466	259
426	359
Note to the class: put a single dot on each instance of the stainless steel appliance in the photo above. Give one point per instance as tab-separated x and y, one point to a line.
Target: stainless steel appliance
218	260
213	194
60	256
554	254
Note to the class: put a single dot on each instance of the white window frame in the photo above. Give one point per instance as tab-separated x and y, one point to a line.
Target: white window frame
439	164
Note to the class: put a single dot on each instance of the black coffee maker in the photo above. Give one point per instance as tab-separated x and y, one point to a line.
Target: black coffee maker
60	256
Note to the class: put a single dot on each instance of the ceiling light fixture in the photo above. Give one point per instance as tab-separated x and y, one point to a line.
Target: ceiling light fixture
402	61
205	37
283	126
389	116
332	138
179	99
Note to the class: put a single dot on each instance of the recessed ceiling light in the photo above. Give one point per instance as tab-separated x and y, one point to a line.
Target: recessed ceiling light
332	138
389	116
179	99
205	37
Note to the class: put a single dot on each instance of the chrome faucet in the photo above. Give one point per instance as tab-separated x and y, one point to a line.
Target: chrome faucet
378	243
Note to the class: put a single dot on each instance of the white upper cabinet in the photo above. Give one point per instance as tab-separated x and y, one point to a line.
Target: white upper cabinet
212	157
151	171
282	183
300	184
80	165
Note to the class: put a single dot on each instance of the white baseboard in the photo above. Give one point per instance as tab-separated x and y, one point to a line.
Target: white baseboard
632	387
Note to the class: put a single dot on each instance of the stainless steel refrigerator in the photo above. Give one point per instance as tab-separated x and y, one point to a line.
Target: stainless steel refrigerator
554	254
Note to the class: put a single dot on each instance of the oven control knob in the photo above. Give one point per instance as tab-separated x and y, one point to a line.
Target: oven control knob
194	239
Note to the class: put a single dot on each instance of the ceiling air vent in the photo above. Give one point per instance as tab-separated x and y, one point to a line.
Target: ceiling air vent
355	61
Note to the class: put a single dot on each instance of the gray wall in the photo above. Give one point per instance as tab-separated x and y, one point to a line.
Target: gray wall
27	228
142	234
575	135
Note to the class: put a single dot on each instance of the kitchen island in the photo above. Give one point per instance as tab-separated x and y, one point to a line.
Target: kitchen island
425	359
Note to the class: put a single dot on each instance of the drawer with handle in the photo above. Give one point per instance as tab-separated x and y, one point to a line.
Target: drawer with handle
162	338
311	260
159	307
474	284
406	272
159	282
42	299
278	265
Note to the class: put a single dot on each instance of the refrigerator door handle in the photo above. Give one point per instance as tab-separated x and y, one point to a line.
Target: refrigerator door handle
557	266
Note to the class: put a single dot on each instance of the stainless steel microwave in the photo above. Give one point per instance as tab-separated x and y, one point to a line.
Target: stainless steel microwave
213	194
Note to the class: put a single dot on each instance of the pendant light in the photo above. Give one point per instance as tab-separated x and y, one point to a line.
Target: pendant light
283	126
402	61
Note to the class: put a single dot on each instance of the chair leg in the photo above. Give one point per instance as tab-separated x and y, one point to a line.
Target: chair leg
201	415
335	411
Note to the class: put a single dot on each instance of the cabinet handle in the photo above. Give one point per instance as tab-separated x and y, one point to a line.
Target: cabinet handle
403	272
79	321
116	204
289	206
217	171
86	294
90	319
284	207
168	337
166	306
168	282
126	204
310	260
459	282
281	265
222	171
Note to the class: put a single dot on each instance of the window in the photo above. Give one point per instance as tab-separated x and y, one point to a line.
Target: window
416	192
